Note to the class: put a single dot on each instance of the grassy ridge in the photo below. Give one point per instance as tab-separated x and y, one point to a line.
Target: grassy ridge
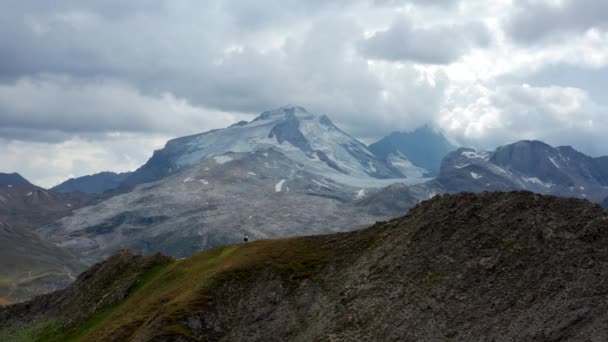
177	288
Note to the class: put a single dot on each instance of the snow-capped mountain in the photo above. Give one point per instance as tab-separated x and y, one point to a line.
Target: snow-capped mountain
214	202
526	165
306	138
424	147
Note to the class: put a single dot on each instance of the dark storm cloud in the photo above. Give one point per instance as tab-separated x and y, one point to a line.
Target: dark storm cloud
211	54
436	45
535	21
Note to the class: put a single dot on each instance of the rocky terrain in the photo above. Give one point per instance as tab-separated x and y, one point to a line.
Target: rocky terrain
93	184
468	267
216	202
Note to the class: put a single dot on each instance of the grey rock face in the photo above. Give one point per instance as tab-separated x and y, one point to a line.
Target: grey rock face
263	194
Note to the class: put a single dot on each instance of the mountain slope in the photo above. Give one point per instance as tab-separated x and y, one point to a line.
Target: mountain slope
494	266
93	184
30	265
306	138
263	194
28	206
423	147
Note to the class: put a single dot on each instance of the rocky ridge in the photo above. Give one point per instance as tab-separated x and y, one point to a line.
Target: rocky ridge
467	267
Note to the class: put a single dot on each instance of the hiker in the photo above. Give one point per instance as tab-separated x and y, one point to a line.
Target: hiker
246	238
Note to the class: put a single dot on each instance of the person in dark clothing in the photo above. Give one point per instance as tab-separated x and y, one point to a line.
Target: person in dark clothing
246	238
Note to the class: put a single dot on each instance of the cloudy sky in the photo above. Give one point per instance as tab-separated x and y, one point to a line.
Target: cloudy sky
87	86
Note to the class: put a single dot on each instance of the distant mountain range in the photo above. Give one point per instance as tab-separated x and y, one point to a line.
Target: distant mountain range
291	172
93	184
526	165
288	172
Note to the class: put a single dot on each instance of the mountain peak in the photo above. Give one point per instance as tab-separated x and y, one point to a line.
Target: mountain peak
13	179
424	146
307	138
285	111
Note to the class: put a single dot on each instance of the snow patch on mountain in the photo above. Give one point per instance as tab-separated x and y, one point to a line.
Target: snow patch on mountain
476	155
554	162
462	166
537	181
476	175
279	186
222	159
321	184
360	194
406	167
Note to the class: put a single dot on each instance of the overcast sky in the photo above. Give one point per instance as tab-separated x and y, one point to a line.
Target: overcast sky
88	86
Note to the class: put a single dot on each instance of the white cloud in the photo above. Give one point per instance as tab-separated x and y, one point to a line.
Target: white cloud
489	116
48	164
